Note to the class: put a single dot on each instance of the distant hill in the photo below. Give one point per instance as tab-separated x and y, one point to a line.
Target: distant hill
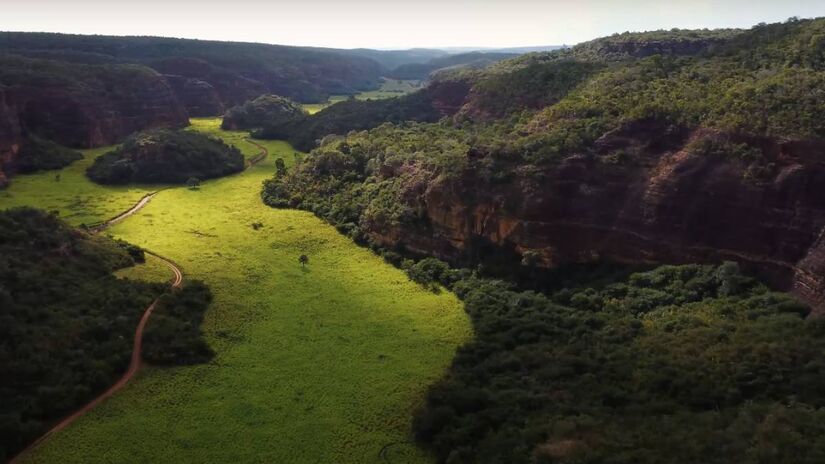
472	60
235	71
517	50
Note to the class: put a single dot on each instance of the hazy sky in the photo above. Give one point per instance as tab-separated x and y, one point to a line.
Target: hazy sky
390	23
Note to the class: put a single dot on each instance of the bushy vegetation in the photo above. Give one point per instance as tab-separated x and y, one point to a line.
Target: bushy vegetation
238	71
38	154
166	156
350	115
66	323
421	71
173	335
263	111
679	364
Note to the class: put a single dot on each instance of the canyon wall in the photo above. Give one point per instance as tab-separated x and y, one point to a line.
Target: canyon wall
667	206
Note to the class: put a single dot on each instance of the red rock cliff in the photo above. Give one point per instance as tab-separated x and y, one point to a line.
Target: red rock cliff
668	206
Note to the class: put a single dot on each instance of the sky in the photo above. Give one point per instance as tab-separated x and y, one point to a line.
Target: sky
388	24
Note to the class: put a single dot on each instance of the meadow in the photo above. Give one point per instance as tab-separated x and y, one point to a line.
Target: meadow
389	88
318	364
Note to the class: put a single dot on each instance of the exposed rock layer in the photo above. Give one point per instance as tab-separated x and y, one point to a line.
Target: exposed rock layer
669	206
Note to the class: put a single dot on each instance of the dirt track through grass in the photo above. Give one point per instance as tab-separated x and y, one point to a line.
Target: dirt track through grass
317	365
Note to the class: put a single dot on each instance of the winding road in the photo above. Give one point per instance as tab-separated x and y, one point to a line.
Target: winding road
137	358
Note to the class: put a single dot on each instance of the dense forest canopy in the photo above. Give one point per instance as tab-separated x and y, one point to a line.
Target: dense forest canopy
66	322
238	70
262	111
166	156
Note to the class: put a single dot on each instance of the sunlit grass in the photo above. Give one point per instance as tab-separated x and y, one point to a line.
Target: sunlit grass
389	88
71	193
318	365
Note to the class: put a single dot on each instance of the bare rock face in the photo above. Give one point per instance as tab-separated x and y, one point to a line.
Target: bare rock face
86	118
667	206
10	137
197	96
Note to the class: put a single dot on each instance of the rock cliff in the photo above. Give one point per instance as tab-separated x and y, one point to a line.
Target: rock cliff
10	137
668	206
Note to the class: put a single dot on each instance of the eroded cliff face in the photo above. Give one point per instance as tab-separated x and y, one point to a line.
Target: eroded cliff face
86	118
197	96
666	206
10	137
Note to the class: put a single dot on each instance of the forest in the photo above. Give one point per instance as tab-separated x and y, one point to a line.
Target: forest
166	156
67	323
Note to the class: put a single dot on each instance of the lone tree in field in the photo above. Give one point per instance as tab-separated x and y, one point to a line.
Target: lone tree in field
303	259
193	183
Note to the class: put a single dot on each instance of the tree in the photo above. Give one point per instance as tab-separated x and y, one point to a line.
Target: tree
193	183
303	259
280	167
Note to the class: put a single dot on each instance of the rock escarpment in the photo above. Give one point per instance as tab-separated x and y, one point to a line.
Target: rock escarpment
79	105
199	97
670	206
10	137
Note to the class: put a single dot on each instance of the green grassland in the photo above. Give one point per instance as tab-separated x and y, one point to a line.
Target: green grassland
389	88
70	192
153	270
322	364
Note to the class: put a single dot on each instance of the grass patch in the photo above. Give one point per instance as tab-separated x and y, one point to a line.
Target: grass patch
322	364
389	88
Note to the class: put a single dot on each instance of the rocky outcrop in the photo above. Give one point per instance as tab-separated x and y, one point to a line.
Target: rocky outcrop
197	96
78	105
666	206
10	137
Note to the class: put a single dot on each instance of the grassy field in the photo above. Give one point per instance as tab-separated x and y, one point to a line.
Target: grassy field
69	191
389	88
317	365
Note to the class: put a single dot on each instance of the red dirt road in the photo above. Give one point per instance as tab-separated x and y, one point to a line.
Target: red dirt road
134	364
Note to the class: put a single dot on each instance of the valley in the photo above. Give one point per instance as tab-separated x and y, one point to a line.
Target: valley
312	364
612	252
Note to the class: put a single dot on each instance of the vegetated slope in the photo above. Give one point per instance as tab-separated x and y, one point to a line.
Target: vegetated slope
667	158
706	154
421	71
264	110
680	364
165	156
66	322
441	98
235	71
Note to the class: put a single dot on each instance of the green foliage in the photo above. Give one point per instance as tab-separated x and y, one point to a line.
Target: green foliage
263	111
239	71
351	115
173	335
420	71
66	323
166	156
679	364
39	154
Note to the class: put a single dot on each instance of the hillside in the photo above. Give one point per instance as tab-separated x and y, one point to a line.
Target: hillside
666	158
641	149
421	71
236	71
166	157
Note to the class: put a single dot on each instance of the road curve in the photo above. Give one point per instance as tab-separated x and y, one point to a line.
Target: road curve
260	156
134	365
137	358
134	209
